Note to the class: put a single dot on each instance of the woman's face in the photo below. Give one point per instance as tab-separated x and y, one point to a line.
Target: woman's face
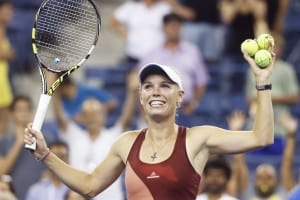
159	96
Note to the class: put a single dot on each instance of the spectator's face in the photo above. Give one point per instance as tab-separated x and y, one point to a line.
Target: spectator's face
215	181
93	114
22	112
172	30
159	96
265	182
6	12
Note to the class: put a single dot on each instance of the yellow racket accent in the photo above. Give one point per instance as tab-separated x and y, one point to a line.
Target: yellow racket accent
33	33
34	49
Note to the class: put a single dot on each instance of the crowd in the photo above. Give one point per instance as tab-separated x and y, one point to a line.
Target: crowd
188	35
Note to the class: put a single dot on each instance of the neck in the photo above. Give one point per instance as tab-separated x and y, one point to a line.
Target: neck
94	133
19	128
214	196
149	3
161	131
172	44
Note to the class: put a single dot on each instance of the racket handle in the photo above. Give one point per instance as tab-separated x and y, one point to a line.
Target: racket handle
39	116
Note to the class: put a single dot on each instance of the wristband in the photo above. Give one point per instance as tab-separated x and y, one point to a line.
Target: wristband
264	87
45	156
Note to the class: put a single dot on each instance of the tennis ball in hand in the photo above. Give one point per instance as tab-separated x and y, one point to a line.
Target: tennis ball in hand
250	46
263	58
265	40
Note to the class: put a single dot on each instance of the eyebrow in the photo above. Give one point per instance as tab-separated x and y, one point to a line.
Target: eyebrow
168	82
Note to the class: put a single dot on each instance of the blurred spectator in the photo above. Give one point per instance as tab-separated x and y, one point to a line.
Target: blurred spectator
244	19
89	146
266	185
71	195
7	191
287	171
216	176
186	59
203	27
13	158
74	94
140	24
285	92
276	13
19	32
6	54
50	187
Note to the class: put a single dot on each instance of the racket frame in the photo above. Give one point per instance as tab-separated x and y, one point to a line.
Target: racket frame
46	95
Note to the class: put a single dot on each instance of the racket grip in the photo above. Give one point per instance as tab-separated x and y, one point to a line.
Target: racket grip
39	116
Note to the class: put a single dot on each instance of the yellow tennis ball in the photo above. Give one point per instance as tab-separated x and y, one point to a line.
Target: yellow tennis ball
265	40
250	46
263	58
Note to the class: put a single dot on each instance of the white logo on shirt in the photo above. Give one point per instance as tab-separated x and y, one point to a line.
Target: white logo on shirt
153	175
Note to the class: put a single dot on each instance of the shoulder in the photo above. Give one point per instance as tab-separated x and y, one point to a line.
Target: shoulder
128	137
124	142
201	131
163	5
196	137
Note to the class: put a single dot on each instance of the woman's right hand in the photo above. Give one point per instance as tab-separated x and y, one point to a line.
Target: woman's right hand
32	136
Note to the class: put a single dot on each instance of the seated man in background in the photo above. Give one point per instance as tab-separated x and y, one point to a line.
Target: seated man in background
216	176
50	187
14	159
89	145
266	184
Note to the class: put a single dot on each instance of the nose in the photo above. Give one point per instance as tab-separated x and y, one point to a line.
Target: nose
156	91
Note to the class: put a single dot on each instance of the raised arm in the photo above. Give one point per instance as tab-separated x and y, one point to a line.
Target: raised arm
7	161
60	117
220	141
87	184
130	102
286	170
239	178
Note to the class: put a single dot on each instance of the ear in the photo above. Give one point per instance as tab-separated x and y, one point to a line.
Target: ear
180	95
140	97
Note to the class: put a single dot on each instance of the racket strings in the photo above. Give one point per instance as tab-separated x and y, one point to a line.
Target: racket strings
65	30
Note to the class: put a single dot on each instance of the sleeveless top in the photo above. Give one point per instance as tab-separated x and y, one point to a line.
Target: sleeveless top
6	95
172	179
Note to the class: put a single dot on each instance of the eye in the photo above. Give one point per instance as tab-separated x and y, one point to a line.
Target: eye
165	85
147	86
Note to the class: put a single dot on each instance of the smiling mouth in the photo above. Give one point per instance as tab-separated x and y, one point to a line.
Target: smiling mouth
156	103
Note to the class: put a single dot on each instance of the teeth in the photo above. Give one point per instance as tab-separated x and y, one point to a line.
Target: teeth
156	103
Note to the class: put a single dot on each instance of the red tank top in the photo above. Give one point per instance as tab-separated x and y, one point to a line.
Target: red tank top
172	179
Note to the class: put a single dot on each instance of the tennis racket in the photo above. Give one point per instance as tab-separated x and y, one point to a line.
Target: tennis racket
64	35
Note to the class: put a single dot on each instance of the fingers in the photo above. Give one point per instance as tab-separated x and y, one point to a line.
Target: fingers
28	137
273	61
250	61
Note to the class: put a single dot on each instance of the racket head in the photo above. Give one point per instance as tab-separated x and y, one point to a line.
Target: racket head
65	33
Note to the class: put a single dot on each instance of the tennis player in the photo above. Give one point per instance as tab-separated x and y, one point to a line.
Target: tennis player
164	161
